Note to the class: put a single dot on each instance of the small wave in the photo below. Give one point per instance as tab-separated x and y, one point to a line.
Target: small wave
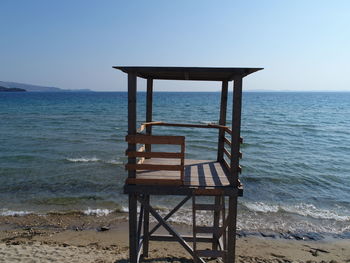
97	212
307	210
6	212
312	211
262	207
114	162
93	159
83	160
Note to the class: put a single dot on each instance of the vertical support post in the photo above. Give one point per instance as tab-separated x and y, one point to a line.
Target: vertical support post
236	130
224	233
216	222
222	120
133	245
146	228
194	226
231	225
132	88
149	104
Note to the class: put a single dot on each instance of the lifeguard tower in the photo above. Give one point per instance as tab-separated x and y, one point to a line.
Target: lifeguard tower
170	173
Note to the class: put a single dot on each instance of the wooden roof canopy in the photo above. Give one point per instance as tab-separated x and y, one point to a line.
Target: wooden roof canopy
189	73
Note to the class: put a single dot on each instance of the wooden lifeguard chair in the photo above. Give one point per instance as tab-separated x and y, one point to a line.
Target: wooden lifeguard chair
169	173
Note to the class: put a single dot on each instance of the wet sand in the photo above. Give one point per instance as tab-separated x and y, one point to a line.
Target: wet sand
77	237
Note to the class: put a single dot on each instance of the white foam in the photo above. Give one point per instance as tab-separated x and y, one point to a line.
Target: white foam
114	162
83	159
124	209
97	212
6	212
312	211
262	207
307	210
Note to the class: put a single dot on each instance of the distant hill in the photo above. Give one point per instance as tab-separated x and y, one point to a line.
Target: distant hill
3	89
36	88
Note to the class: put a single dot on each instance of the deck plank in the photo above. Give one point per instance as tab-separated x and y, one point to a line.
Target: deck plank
198	173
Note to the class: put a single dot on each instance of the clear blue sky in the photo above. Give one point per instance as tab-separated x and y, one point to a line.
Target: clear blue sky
303	45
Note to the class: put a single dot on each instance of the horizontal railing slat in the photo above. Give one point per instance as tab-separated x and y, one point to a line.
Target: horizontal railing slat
227	153
188	125
155	167
152	139
155	154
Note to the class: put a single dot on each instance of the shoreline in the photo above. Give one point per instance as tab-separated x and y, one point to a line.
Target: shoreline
87	238
78	221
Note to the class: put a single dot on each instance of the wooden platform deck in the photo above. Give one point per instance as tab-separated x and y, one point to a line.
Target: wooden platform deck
197	173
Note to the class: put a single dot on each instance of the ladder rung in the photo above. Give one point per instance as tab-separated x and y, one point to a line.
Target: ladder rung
211	253
208	207
207	229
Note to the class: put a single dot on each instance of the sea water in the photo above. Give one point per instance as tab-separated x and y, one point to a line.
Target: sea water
66	151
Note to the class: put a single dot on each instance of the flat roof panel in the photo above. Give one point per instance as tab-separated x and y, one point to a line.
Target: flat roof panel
188	73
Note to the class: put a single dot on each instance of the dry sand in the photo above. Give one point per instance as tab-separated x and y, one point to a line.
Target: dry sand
75	238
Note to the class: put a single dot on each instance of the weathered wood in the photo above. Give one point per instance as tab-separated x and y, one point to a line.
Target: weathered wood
226	165
172	231
187	125
229	131
227	141
207	229
188	73
208	179
173	182
149	106
181	190
156	154
132	88
146	233
154	167
208	191
196	172
167	238
236	131
182	161
133	245
216	222
208	207
227	153
152	123
194	226
139	227
224	227
128	153
232	218
222	119
152	139
175	209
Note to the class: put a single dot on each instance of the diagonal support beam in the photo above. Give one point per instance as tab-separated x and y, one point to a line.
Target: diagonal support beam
171	230
170	214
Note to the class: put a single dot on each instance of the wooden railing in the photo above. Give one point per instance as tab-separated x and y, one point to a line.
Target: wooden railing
152	139
147	140
228	152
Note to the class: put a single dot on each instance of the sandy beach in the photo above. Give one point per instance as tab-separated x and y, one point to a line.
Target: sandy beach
75	237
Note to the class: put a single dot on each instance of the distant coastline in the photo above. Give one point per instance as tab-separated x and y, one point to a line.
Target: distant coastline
3	89
16	87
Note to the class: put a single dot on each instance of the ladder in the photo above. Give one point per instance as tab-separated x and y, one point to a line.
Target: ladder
217	230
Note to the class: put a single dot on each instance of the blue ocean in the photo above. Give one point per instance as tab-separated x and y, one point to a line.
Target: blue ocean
65	152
